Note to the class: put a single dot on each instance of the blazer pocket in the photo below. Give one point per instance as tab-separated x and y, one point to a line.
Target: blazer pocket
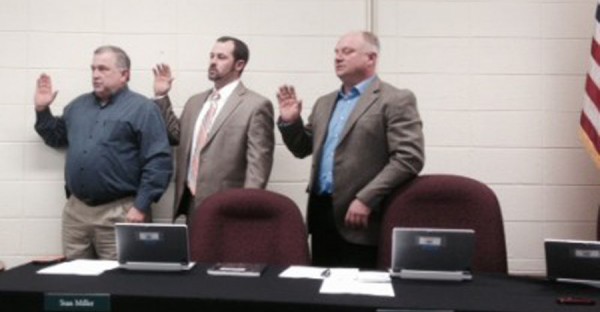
371	125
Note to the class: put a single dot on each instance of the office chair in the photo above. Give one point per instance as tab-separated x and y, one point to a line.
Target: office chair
249	225
1	266
448	201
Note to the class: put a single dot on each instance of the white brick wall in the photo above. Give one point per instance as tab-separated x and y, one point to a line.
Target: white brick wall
499	85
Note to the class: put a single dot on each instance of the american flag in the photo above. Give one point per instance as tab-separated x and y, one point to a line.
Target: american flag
590	115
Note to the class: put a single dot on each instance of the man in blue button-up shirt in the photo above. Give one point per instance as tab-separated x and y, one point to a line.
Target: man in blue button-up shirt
366	140
344	106
118	156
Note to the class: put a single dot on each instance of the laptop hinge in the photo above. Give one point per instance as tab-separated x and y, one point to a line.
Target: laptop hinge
157	266
593	283
432	275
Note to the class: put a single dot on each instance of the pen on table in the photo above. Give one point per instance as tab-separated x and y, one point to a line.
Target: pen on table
326	273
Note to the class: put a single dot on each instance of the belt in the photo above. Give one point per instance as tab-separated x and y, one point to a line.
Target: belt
93	202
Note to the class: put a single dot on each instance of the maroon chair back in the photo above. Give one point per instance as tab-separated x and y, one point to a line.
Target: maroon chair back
448	201
249	225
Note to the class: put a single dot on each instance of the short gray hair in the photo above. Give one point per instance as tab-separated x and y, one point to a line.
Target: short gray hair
123	60
372	41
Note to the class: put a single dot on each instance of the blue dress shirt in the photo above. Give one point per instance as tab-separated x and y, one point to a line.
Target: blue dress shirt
114	150
344	106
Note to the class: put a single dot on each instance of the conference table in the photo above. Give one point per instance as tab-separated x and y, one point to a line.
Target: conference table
22	289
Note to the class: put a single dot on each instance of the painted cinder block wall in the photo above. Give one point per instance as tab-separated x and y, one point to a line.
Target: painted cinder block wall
499	86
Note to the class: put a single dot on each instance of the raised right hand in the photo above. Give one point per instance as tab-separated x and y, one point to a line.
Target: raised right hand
44	95
163	79
289	106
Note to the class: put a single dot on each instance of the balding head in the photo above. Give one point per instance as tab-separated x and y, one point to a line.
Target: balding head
356	57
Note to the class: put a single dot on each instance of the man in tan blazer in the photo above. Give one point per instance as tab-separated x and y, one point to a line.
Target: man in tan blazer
225	134
366	139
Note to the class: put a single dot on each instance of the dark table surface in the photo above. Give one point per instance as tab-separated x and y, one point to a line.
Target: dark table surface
21	289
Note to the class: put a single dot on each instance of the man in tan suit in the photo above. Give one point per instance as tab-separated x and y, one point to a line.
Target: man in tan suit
366	139
225	134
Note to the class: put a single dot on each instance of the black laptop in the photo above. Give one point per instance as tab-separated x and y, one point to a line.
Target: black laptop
573	261
438	254
153	246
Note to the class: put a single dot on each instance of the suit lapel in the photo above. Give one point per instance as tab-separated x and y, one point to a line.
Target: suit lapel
234	100
322	118
365	101
194	113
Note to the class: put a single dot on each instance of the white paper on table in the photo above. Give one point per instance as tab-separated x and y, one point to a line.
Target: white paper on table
356	287
343	273
344	280
301	271
373	277
81	267
353	281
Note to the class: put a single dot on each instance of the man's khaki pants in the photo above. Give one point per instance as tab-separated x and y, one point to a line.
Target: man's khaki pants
89	232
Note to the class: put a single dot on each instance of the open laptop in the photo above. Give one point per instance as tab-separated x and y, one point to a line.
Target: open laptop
575	261
437	254
153	246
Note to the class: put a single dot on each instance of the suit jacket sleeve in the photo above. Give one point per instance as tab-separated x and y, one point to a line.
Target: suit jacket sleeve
261	145
406	149
297	137
171	120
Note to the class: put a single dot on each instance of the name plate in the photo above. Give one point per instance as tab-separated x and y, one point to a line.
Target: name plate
76	302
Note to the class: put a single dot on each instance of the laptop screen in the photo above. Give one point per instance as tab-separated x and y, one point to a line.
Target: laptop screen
152	242
427	249
572	259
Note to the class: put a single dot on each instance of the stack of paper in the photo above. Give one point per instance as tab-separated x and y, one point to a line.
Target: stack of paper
345	280
80	267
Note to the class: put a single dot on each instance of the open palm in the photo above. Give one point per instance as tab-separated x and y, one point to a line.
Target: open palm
44	95
163	79
289	105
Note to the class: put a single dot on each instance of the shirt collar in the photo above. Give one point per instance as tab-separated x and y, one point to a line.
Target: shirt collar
358	89
113	98
227	90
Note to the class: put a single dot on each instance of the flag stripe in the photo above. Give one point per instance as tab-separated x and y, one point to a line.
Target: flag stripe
597	32
592	91
595	51
594	72
590	114
589	123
